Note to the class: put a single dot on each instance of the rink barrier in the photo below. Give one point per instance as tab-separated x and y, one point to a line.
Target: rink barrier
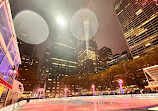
13	106
104	96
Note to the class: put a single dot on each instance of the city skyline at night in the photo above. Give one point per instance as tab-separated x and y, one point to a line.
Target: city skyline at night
78	55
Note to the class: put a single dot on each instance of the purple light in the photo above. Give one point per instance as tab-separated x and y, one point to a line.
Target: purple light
120	81
65	89
40	91
93	87
11	71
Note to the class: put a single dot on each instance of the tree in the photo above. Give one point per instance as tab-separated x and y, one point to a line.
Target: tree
131	71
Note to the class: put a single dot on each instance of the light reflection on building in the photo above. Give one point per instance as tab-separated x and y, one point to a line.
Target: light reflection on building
87	59
139	22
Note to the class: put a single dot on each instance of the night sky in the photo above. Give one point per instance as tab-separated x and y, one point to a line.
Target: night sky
109	32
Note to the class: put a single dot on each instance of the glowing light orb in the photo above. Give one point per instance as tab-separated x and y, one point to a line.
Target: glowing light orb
120	81
84	24
30	27
93	86
65	89
61	21
15	71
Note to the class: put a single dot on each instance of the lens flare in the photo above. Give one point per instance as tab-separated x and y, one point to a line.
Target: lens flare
30	27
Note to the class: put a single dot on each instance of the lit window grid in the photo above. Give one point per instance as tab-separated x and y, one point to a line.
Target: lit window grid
125	18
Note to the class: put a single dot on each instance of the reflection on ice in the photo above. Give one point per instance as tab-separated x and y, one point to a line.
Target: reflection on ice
93	103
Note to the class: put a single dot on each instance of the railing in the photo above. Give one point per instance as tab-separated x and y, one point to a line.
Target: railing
155	95
155	83
13	106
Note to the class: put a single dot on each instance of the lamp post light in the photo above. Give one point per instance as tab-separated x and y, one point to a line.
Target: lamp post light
14	71
40	92
93	87
120	81
65	89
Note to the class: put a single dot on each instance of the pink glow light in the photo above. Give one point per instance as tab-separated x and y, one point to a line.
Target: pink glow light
15	71
65	89
40	89
120	81
11	71
93	86
110	105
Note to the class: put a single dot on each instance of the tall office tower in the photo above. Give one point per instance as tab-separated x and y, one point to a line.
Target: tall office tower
28	72
45	67
9	52
87	51
84	26
105	54
25	48
29	65
87	57
139	21
62	60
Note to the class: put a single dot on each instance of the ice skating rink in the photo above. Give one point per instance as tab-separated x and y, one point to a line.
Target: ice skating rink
90	104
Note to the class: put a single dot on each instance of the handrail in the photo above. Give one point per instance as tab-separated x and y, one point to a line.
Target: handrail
13	106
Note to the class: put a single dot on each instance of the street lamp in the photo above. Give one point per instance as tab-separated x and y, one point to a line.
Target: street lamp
14	72
40	92
93	87
120	81
65	89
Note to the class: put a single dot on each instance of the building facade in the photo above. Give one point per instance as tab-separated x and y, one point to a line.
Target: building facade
45	67
59	61
115	61
9	52
28	72
116	56
139	22
87	56
105	54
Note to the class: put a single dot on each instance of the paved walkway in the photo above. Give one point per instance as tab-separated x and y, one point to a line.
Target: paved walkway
89	104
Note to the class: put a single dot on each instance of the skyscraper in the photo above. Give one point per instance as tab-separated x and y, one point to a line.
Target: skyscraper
28	72
87	56
29	65
59	61
105	54
139	22
45	67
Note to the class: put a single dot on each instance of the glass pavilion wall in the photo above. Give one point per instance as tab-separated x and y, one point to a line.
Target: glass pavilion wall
9	52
